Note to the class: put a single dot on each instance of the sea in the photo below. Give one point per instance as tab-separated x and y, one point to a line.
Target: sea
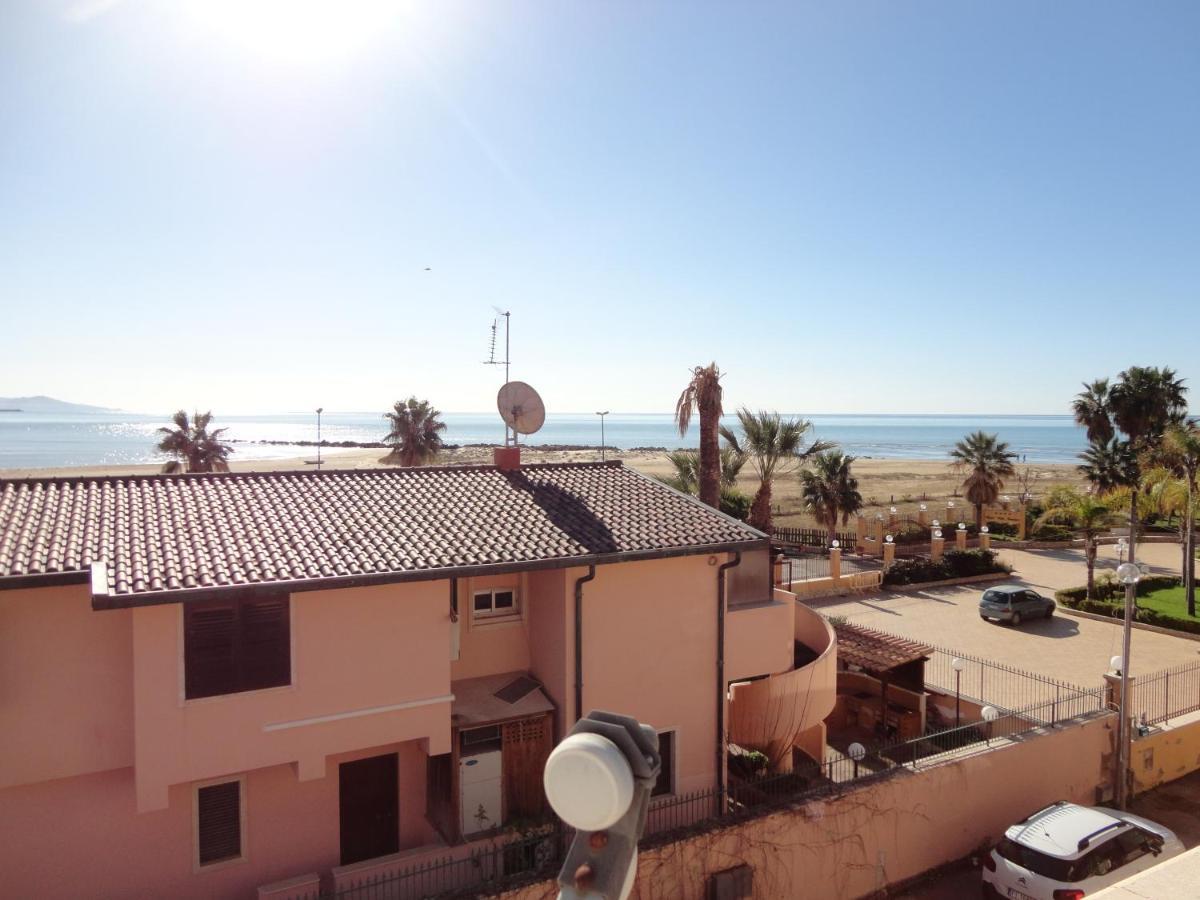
44	440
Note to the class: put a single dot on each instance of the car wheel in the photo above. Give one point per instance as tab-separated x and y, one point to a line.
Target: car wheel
1049	611
1016	619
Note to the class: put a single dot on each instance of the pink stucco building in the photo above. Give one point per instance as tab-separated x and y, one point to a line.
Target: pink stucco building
213	683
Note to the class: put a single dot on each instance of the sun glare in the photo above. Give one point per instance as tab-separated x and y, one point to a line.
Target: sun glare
300	31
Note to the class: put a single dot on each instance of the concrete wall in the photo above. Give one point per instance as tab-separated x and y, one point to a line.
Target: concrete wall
886	832
490	647
758	639
82	837
1166	754
650	649
66	686
358	656
551	614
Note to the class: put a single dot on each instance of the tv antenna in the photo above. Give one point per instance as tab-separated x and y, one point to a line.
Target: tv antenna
521	409
492	361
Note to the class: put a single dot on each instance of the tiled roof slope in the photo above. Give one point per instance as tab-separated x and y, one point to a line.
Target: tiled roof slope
160	534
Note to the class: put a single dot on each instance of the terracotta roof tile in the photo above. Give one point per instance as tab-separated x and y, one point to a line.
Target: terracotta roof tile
168	533
874	650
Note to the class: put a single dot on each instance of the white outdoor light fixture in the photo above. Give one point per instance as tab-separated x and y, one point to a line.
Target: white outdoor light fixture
958	665
1006	498
990	713
937	532
892	510
836	544
888	539
962	526
983	529
1129	573
936	523
857	751
923	507
1116	664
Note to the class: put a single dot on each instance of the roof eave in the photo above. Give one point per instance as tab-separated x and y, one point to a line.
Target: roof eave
102	599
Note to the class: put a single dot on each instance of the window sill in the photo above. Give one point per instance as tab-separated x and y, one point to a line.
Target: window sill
486	622
197	701
201	868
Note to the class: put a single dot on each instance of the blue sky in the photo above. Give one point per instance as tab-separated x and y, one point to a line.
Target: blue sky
851	207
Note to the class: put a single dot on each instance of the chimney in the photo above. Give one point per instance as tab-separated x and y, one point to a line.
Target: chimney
507	459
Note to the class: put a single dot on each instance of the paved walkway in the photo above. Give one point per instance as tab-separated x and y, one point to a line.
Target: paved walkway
1064	647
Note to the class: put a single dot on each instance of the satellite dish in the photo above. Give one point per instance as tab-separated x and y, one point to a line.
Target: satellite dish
521	407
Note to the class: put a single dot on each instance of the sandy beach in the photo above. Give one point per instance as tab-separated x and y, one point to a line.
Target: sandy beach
902	483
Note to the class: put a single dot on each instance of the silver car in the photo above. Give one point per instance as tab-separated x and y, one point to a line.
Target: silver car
1014	603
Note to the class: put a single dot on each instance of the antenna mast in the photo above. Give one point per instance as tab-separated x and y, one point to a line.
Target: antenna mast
510	435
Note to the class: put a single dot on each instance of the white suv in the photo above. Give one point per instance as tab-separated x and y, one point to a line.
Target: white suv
1066	852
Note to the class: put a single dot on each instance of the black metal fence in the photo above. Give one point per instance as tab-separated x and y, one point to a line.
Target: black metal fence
811	537
1163	695
807	566
988	682
537	854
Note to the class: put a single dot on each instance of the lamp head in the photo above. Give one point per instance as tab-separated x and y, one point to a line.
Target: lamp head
857	751
990	713
1129	573
958	664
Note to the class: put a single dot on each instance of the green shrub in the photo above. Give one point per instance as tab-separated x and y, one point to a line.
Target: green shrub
735	503
1052	533
1108	589
1003	529
955	564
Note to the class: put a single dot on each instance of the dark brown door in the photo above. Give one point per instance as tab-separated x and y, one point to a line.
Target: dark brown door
369	807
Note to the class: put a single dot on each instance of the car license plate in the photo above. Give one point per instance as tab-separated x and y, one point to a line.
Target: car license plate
1017	895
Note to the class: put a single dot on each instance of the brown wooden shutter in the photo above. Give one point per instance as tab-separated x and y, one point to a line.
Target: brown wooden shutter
525	747
219	822
209	661
265	652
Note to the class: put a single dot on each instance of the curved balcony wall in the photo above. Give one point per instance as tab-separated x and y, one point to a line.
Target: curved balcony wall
787	710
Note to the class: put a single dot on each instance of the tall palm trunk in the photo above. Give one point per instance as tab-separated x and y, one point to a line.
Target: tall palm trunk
760	509
1189	552
710	454
1090	552
978	515
1133	519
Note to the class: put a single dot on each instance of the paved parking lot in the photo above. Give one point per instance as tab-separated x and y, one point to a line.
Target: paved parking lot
1064	647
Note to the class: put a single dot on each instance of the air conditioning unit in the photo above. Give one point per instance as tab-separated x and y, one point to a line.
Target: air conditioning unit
731	884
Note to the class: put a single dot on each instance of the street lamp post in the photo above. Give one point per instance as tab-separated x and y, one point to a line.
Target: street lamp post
1129	575
320	409
957	665
602	415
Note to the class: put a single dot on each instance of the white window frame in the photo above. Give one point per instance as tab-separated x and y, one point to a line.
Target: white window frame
492	614
243	856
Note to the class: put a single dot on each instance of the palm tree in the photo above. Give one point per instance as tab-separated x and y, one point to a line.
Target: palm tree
686	464
774	445
195	448
1108	466
703	393
1086	514
1181	446
987	461
416	433
1143	403
829	491
1091	411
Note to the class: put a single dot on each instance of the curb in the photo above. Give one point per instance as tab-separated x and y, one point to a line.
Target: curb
1171	632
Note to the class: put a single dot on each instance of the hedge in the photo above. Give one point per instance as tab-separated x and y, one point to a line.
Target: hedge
1075	598
1107	589
954	564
